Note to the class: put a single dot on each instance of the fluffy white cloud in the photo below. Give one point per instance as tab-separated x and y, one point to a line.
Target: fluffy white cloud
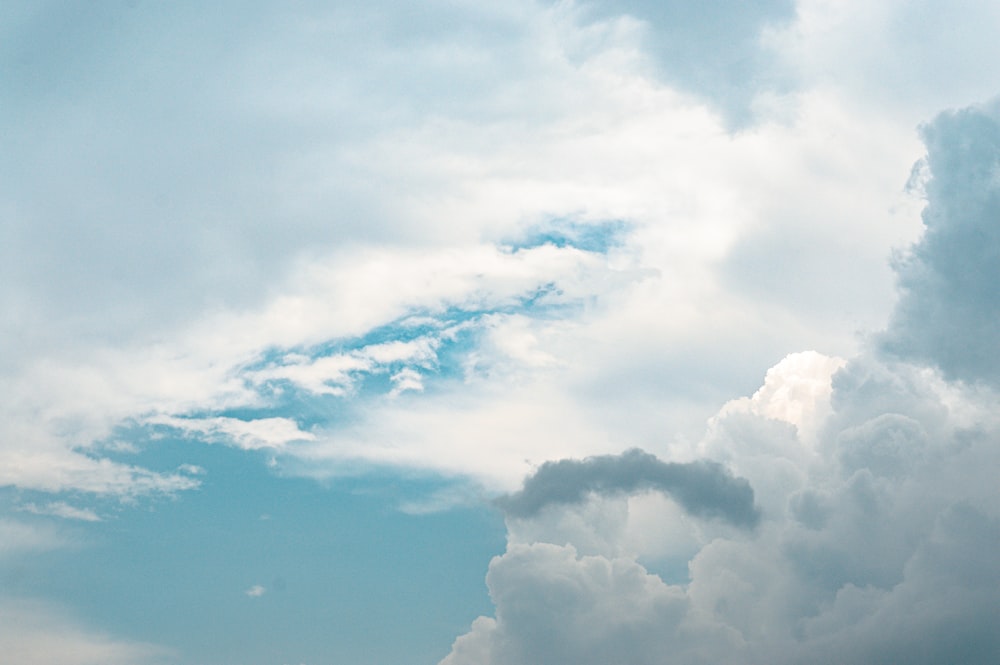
876	544
876	482
610	610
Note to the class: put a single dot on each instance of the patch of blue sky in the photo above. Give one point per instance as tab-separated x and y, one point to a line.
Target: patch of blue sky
449	334
598	237
417	324
332	398
253	567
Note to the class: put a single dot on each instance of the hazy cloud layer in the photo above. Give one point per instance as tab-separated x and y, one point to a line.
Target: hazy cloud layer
703	488
34	633
221	210
710	50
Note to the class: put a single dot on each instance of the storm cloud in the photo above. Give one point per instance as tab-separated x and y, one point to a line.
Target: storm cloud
703	488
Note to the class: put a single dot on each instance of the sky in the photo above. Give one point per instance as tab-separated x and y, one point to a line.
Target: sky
499	333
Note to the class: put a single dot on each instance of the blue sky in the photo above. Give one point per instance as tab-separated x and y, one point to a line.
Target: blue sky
498	333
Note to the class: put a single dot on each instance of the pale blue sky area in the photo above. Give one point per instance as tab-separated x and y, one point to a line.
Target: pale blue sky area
346	576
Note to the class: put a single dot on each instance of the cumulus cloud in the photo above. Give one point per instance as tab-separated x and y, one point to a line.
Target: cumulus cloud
703	488
610	610
886	532
949	311
875	477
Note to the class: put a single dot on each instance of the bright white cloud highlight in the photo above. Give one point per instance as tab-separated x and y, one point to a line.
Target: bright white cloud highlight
63	510
256	591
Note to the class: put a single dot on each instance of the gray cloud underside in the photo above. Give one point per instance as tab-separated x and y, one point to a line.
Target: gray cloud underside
702	488
948	314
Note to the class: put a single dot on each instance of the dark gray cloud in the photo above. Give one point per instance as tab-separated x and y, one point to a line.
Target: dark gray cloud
702	488
948	314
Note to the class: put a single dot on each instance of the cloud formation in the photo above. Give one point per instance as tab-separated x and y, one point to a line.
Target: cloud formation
876	480
362	234
256	591
948	314
703	488
34	633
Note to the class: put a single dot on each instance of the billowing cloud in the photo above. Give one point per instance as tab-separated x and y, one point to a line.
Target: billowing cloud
703	488
877	544
610	610
949	312
876	480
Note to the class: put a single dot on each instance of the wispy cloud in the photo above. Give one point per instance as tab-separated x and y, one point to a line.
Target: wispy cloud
62	509
256	591
39	633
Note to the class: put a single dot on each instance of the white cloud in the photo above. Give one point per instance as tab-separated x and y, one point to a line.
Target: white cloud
17	538
570	124
302	218
335	374
59	469
609	610
914	58
247	434
857	539
256	591
64	510
35	633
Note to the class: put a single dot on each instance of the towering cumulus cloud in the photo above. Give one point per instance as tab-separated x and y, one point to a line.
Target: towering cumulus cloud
879	517
949	312
702	488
